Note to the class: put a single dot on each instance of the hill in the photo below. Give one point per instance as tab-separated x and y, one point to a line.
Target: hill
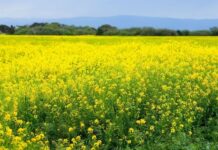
124	22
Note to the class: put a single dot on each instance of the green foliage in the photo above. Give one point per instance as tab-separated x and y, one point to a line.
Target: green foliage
146	31
6	29
165	32
183	32
200	33
61	29
107	30
214	30
54	29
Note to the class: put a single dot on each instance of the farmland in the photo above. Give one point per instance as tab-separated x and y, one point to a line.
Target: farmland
88	92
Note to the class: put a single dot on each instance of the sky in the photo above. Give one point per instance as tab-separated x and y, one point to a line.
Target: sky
194	9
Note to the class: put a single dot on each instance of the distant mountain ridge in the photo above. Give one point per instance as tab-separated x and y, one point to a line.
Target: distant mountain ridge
124	22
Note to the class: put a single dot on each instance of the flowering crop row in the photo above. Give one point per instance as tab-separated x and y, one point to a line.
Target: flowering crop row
105	92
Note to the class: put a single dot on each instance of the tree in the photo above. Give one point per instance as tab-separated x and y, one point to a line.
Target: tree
107	30
148	31
165	32
200	33
183	32
7	29
214	30
37	24
131	31
61	29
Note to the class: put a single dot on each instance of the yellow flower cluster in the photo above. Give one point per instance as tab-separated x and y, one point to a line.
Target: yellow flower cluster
103	92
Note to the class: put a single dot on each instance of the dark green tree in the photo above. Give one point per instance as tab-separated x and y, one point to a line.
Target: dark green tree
7	29
200	33
214	30
107	30
183	32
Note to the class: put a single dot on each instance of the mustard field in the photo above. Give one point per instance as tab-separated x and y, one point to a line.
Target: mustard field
106	93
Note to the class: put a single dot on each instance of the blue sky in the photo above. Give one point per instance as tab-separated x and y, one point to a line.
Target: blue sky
99	8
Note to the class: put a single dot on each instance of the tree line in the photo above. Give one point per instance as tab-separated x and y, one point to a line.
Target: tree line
61	29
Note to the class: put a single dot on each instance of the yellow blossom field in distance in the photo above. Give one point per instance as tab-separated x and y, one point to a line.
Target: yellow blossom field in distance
88	92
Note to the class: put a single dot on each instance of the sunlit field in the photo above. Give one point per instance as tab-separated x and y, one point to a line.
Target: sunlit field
108	92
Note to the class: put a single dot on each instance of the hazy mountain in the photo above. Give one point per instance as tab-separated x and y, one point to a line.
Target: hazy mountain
124	22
